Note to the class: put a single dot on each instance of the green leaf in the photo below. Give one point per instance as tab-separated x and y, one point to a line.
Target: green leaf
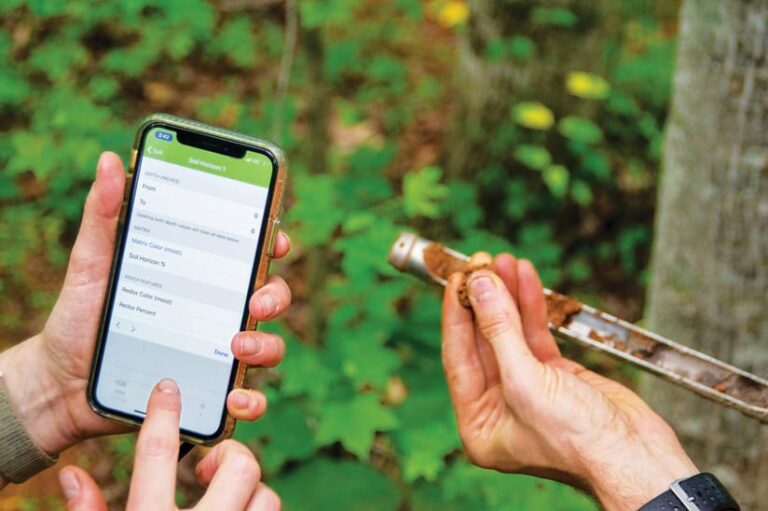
236	41
341	57
556	178
431	497
46	8
317	213
103	87
134	59
481	238
581	193
13	89
284	429
364	252
389	71
462	196
628	241
580	130
413	8
522	47
29	154
9	5
319	13
306	371
58	59
363	360
554	16
422	192
596	163
358	221
336	486
508	492
496	50
579	270
424	448
424	323
534	156
354	423
364	181
519	199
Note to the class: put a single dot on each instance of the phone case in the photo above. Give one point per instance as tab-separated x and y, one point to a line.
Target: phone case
270	238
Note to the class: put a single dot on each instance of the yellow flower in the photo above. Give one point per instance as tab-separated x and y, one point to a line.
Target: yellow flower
587	85
533	115
455	12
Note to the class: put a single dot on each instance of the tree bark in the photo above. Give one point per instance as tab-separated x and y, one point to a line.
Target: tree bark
318	99
710	260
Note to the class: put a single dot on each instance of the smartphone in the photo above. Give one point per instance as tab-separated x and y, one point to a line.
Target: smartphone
196	233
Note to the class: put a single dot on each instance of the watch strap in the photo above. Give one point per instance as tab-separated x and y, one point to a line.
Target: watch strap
702	492
20	458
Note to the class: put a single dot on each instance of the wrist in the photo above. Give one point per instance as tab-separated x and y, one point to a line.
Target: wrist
36	397
631	478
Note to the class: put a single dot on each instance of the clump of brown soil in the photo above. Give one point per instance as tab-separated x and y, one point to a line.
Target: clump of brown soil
610	339
744	389
441	263
560	308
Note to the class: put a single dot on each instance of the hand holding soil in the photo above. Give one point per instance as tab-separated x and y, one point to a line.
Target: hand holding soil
522	407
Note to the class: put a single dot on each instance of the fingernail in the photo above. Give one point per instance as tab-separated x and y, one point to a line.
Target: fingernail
100	163
240	400
268	304
69	484
482	288
250	346
168	387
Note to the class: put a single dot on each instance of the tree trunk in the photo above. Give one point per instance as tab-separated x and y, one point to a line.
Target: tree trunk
318	112
710	259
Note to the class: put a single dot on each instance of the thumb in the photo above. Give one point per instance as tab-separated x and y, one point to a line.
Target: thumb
92	252
499	321
80	490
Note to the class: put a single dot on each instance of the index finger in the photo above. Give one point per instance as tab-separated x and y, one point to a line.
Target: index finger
153	485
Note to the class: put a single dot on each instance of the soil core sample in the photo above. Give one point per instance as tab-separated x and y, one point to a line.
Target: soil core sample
442	264
560	308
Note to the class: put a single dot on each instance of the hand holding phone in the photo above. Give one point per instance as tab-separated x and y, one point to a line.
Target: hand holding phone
46	376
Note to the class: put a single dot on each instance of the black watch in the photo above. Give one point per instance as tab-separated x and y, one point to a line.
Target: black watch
702	492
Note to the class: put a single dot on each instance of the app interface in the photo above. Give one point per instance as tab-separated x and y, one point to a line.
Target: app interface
182	286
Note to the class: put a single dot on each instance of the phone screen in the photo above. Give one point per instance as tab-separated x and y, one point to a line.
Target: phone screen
192	237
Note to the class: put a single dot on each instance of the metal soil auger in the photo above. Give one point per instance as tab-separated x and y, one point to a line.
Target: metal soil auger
569	319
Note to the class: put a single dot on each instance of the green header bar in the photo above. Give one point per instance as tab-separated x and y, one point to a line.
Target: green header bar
253	168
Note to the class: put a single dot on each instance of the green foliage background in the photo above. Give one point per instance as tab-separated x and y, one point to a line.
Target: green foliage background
360	94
